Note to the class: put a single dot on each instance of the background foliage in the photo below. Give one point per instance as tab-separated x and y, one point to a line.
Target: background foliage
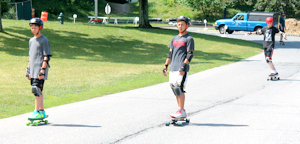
195	9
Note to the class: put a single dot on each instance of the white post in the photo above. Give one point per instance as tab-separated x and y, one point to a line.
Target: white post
205	21
74	16
136	19
107	11
96	10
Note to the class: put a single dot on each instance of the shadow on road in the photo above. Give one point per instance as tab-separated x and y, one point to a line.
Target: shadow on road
289	79
218	125
73	125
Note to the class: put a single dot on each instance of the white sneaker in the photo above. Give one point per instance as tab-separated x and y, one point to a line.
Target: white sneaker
179	114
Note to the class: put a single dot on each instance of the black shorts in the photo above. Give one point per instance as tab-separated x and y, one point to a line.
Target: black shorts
40	83
268	52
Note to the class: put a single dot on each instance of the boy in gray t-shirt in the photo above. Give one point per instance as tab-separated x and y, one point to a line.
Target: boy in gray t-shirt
180	55
38	65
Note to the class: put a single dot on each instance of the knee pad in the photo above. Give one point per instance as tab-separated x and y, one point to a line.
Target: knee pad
176	89
268	60
35	88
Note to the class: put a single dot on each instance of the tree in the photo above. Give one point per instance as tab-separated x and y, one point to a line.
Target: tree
143	17
1	29
208	9
291	7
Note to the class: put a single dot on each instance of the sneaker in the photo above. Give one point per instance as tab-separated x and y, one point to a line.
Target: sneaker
43	114
35	115
273	74
179	114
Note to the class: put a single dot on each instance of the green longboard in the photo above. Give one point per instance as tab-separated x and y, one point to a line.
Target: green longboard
39	120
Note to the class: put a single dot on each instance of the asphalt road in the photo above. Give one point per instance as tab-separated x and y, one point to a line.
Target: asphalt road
229	104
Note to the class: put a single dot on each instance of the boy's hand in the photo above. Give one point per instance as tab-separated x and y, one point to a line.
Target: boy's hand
165	70
284	36
181	72
29	78
41	75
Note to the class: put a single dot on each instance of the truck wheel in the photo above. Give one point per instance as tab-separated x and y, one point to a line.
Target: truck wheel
230	32
257	29
222	29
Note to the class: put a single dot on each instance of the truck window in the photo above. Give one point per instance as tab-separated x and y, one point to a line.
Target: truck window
239	17
257	17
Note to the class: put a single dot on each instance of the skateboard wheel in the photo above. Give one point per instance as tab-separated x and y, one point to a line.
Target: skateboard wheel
179	123
271	78
268	79
35	124
28	123
46	121
187	120
38	121
167	123
278	78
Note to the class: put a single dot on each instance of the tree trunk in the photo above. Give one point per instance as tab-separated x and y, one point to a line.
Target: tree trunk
144	20
1	29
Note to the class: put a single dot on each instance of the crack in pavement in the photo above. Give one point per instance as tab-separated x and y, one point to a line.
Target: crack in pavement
190	114
198	111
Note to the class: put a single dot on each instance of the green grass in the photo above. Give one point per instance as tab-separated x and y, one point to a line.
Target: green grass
95	60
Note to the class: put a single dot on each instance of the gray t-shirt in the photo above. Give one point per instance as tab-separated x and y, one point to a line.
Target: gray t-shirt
179	46
38	47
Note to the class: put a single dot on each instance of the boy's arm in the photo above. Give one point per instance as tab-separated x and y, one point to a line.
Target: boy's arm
283	34
280	26
256	32
28	70
44	64
189	57
168	61
186	61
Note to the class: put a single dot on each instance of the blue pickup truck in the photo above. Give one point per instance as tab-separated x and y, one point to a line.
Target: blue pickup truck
251	21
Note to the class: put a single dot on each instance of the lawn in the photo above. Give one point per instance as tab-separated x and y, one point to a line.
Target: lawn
96	60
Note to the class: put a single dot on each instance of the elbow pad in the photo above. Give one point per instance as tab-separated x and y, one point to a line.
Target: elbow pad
169	55
47	61
189	55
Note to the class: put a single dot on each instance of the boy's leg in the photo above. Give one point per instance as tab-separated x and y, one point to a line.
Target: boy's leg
175	78
281	42
272	66
39	104
268	55
39	99
180	101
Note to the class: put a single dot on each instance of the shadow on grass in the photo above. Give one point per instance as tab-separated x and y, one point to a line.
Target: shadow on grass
112	48
194	35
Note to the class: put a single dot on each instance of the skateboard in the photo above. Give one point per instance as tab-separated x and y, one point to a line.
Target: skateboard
178	121
39	120
273	78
